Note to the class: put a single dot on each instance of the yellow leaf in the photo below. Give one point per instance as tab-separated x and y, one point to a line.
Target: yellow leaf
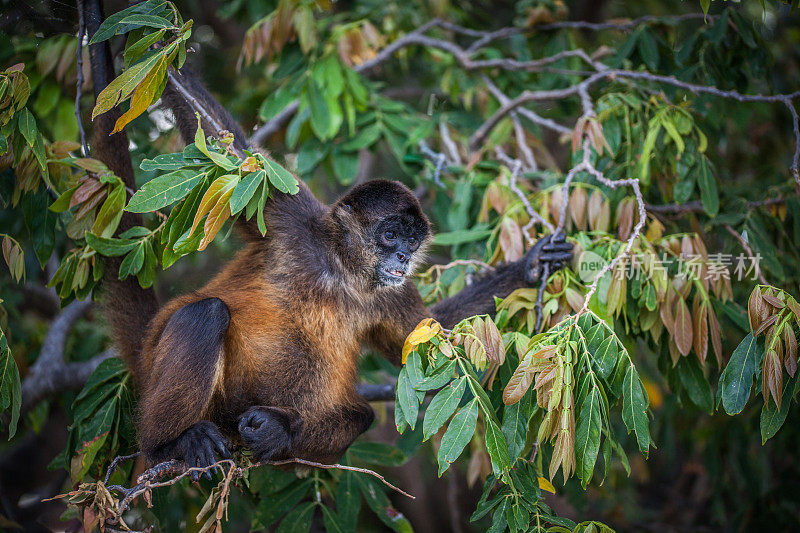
407	347
216	218
122	86
545	484
145	93
420	335
425	331
218	187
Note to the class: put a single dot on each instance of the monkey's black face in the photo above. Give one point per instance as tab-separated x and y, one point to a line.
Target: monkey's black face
397	242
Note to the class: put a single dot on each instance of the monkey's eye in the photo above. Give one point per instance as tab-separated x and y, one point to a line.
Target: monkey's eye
389	235
413	243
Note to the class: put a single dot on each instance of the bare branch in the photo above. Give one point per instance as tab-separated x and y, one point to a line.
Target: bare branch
50	374
696	206
504	33
581	89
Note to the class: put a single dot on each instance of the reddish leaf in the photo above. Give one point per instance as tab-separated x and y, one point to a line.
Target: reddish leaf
683	327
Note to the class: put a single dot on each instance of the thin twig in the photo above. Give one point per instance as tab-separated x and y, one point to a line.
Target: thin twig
748	250
438	159
337	466
150	479
79	79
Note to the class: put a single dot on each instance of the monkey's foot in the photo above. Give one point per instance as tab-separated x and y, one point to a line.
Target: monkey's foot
268	431
199	445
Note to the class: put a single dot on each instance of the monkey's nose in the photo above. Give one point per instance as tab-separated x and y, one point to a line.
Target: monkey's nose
402	257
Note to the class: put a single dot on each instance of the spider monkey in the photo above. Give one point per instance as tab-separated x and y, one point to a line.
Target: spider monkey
265	354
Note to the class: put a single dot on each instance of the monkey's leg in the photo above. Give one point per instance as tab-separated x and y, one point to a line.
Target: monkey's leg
186	368
278	433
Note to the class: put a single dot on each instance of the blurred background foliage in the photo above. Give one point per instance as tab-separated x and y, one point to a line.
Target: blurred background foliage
708	470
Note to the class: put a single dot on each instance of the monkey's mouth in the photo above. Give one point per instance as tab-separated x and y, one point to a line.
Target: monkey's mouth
395	273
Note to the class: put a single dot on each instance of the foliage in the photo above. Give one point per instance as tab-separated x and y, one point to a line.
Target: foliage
624	356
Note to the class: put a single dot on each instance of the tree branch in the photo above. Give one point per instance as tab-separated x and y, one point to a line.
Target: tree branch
111	507
50	374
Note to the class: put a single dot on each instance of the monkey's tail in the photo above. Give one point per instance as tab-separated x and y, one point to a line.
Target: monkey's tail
128	307
182	88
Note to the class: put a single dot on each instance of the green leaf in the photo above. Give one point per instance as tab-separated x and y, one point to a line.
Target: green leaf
364	138
164	162
453	238
378	453
607	356
442	407
654	127
737	378
320	114
41	223
379	503
245	190
407	398
515	426
648	49
298	520
150	21
163	191
137	49
439	378
348	499
110	247
414	369
773	418
459	433
634	408
332	522
279	177
709	195
27	126
497	447
133	262
587	436
276	102
695	383
10	386
112	25
109	215
272	508
345	166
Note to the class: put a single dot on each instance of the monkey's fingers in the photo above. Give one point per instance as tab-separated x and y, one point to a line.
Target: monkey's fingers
557	247
553	257
222	449
208	458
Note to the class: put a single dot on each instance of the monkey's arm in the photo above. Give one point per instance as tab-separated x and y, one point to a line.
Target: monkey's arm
406	310
478	297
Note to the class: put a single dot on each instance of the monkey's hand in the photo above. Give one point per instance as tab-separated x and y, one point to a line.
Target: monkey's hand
268	431
199	445
551	250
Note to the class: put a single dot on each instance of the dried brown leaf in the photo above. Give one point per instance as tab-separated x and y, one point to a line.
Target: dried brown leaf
683	327
754	308
577	207
700	321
